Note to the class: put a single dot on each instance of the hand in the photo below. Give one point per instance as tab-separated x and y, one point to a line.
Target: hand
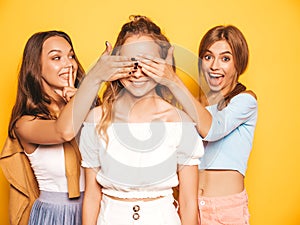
111	67
159	69
70	90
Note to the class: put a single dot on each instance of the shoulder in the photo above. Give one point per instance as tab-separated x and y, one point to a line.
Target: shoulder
23	127
23	124
25	119
250	92
243	103
94	115
174	114
183	117
245	97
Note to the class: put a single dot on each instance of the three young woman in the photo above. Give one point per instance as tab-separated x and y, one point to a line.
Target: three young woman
137	145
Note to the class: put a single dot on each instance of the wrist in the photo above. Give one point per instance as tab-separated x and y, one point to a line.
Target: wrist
91	79
175	83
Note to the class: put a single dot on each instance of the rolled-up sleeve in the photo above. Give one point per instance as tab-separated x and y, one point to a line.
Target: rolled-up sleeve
190	146
241	108
89	146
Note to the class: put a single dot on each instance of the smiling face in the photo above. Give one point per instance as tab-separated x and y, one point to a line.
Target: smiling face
139	84
58	64
218	67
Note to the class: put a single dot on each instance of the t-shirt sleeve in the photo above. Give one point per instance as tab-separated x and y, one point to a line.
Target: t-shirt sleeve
240	109
89	146
190	146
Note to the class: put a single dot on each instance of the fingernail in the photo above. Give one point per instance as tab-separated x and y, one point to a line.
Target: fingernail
106	43
133	59
129	73
136	63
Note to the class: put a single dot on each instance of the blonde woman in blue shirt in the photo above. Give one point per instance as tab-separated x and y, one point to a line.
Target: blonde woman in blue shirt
227	124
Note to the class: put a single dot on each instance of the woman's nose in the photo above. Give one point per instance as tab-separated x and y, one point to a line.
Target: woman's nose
214	65
138	73
68	62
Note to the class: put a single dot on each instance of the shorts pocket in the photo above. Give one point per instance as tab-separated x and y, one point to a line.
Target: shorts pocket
234	215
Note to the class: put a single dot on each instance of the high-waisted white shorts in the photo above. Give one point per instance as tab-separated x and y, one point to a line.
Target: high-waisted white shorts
156	212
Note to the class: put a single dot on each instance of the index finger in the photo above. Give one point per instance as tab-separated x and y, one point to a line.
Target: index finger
169	58
71	80
144	58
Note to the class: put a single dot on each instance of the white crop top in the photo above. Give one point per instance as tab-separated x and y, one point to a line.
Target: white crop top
141	159
48	164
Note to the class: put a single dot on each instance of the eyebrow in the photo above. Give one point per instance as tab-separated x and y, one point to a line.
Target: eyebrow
226	52
57	50
222	53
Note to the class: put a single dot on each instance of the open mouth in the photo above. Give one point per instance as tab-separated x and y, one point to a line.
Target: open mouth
215	79
215	76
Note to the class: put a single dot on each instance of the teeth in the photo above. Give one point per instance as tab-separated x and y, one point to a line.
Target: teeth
64	76
138	82
215	75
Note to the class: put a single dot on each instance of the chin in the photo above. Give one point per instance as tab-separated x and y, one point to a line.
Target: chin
215	88
138	95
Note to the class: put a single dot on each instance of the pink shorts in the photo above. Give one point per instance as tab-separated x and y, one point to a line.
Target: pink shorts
229	210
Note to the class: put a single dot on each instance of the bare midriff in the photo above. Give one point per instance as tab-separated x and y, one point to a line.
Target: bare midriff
216	183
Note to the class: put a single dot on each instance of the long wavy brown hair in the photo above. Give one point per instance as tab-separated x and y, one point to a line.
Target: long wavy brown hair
138	25
237	42
31	97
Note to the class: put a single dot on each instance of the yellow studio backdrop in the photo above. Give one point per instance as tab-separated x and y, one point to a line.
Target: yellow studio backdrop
272	29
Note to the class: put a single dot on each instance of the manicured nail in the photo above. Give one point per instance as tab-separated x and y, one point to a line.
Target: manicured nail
133	59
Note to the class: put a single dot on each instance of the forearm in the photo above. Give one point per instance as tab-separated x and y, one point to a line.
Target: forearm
189	213
75	112
198	113
92	198
90	210
188	194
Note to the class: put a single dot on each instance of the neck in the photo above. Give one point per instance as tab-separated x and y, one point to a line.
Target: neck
214	97
129	108
56	94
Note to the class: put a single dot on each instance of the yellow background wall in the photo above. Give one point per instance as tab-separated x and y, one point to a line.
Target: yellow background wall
272	29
